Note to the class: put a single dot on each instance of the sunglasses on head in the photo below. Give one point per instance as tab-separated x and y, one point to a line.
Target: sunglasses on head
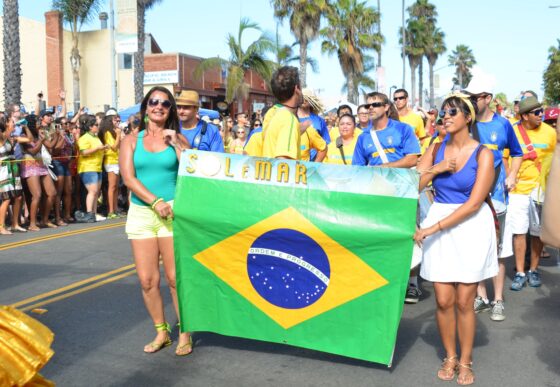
451	111
537	112
398	98
374	105
165	103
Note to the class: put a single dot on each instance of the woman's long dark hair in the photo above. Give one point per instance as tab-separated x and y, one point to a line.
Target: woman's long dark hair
86	122
105	126
172	120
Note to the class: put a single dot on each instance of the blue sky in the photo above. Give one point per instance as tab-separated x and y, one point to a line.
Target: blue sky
509	38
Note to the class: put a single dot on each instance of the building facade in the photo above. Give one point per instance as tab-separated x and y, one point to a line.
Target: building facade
45	55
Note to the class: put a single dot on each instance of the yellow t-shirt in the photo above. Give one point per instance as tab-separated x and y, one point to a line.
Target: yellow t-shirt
543	139
94	161
311	139
426	143
236	147
111	156
333	153
416	122
254	145
281	134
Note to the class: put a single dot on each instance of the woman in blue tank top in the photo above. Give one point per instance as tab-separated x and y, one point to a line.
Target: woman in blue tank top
149	161
458	234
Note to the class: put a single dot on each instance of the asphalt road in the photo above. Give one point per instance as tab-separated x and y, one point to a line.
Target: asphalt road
82	276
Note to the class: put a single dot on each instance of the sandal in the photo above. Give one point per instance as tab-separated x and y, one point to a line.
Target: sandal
18	229
33	228
4	231
61	223
185	349
155	346
466	377
447	369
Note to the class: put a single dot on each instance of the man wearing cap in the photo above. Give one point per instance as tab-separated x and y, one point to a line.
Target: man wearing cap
315	139
538	141
497	134
400	97
200	134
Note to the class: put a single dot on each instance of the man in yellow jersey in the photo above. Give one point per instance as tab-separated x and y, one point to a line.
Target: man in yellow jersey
406	115
281	127
538	141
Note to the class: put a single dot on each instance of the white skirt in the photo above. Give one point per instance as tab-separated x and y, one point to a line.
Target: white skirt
464	253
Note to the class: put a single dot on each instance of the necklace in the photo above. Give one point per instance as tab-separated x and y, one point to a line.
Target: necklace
288	106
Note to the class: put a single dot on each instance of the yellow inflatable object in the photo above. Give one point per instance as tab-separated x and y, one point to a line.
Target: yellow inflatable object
25	347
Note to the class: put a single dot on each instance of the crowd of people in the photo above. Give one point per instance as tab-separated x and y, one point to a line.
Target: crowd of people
483	175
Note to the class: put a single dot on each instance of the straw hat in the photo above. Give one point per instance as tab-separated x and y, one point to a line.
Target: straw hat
313	100
187	98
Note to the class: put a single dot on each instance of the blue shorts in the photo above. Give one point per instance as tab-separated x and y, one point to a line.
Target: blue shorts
60	168
90	177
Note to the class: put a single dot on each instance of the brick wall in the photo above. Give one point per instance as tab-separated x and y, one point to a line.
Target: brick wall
53	29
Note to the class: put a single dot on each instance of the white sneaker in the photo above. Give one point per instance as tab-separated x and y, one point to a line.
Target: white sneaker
99	218
498	311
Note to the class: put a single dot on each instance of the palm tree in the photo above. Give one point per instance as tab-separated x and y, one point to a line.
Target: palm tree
284	55
241	61
305	22
463	60
141	7
414	50
363	83
76	13
425	14
12	60
433	50
352	31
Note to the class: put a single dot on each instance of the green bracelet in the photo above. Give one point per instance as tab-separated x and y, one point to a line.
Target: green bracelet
155	202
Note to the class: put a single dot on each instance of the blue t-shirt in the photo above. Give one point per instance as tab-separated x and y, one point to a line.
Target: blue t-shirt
321	126
397	140
497	135
211	141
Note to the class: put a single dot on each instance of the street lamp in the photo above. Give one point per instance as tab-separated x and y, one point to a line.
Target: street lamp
391	91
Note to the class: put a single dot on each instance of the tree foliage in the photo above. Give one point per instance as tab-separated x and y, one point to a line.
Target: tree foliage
305	23
551	76
463	60
351	33
240	61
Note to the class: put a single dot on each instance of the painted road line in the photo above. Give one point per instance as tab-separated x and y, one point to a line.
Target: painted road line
60	235
78	291
75	285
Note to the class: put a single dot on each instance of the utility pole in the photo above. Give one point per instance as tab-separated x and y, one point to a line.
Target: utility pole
113	64
403	46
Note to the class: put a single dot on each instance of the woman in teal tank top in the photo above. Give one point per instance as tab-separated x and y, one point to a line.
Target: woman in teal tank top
149	162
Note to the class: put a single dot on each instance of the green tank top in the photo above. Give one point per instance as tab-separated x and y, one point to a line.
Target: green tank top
156	170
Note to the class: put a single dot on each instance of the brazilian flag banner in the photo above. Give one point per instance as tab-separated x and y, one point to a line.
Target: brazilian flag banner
306	254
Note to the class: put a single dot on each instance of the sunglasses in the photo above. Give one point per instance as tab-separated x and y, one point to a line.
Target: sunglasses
165	103
374	105
451	111
240	132
398	98
537	112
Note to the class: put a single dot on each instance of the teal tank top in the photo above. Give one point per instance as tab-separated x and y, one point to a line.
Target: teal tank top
156	170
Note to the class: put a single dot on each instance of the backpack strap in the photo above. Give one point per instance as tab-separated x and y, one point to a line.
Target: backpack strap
339	146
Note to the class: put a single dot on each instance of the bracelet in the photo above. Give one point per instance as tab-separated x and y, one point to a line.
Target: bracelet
439	225
155	202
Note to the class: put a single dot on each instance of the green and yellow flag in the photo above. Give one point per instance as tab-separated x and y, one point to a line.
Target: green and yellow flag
306	254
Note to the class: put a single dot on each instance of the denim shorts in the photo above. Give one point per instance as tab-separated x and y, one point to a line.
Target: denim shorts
60	168
90	177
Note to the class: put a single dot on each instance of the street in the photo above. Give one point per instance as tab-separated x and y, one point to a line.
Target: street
83	276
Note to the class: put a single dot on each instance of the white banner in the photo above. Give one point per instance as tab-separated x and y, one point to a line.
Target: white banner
126	34
161	77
